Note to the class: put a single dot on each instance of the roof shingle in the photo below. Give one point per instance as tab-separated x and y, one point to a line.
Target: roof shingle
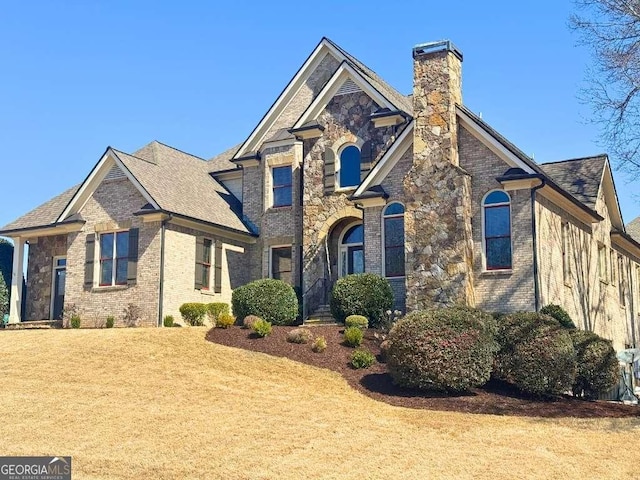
580	177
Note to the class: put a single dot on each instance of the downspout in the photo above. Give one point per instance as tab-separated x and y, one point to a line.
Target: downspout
163	227
534	236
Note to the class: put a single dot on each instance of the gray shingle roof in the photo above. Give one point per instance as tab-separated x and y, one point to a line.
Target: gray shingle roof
222	161
45	214
180	183
580	177
633	229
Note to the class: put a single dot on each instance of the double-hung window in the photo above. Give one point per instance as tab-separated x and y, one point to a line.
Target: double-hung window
282	186
114	258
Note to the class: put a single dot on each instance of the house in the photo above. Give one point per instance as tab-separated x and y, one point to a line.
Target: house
343	174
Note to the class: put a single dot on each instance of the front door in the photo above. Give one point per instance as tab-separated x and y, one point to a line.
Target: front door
58	284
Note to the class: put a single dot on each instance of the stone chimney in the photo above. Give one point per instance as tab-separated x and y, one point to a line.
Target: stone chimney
439	259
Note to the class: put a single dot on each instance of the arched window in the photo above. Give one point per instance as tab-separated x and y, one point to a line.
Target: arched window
352	251
349	172
393	226
496	209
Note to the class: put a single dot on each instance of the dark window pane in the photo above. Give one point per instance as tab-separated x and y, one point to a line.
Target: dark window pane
354	235
61	262
394	261
281	264
497	221
393	231
498	253
281	176
106	272
282	196
206	275
350	167
122	244
206	251
394	209
106	245
496	197
356	260
121	271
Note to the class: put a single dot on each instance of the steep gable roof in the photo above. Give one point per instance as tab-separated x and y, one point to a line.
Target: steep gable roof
633	229
581	177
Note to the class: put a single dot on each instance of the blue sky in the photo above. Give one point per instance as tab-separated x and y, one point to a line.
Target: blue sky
78	76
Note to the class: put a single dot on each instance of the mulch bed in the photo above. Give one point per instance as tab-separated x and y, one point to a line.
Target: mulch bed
494	398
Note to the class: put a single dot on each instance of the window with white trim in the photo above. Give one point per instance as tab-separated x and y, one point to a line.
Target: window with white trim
282	183
393	227
496	211
114	258
349	169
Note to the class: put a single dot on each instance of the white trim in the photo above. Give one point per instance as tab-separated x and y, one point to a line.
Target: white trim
344	247
289	93
388	161
484	238
54	269
343	73
383	217
610	197
269	185
270	260
490	142
15	304
95	178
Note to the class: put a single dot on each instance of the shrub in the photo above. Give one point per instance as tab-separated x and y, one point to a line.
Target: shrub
214	310
299	335
597	365
356	321
168	321
273	300
225	320
319	345
132	314
560	314
362	358
384	351
352	337
442	349
249	320
536	354
110	321
262	328
193	313
75	321
361	294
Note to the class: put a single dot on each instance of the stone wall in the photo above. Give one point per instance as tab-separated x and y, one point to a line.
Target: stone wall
438	192
39	275
114	202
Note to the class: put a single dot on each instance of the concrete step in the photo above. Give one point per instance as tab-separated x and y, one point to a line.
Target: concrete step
317	322
33	324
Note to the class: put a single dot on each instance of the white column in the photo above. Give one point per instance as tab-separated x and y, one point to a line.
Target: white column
16	280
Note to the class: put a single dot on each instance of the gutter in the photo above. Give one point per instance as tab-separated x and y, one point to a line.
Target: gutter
534	235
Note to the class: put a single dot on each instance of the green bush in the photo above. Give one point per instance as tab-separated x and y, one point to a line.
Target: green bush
352	337
442	349
214	310
361	294
597	365
299	335
75	321
110	321
356	321
168	321
362	358
272	300
262	328
193	313
560	314
249	320
536	354
224	320
319	345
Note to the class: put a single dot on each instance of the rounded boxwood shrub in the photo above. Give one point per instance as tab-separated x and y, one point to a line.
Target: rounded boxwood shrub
319	345
364	294
559	313
214	310
110	321
353	337
193	313
597	365
299	335
249	320
536	354
261	328
272	300
442	349
362	358
356	321
224	320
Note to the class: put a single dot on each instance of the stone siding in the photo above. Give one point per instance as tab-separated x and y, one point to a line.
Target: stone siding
114	202
39	275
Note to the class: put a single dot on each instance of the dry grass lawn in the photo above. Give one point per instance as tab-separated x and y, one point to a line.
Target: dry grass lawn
165	403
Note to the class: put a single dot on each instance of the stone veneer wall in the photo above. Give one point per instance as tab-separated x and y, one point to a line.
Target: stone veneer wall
39	275
114	202
438	211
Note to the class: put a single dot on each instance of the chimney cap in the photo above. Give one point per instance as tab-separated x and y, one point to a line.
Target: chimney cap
439	46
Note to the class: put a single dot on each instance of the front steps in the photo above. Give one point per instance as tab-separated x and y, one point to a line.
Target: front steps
321	316
34	324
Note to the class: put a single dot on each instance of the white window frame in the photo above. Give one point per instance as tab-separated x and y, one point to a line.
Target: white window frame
338	166
275	247
382	235
53	280
344	248
272	185
484	236
97	271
